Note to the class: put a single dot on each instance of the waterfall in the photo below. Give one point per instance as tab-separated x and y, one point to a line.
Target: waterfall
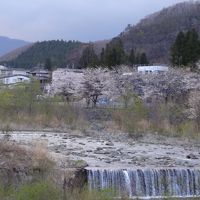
147	182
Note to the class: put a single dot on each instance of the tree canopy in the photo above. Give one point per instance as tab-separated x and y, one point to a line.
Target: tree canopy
111	56
186	49
41	54
89	57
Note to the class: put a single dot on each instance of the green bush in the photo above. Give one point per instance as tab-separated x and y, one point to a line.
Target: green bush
6	193
132	119
46	191
85	194
38	191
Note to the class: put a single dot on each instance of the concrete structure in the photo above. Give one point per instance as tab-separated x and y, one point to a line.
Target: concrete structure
14	79
39	73
127	74
19	72
15	75
152	69
4	71
42	75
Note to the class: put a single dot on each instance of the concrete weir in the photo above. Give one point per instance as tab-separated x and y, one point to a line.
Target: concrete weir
152	166
147	183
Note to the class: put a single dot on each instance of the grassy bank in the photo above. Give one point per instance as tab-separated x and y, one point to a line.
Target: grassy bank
25	108
43	190
46	191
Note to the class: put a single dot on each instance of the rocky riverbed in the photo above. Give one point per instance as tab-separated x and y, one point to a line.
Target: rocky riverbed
116	151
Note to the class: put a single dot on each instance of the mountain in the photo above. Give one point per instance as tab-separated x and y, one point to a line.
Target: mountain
8	44
15	53
60	53
153	35
156	33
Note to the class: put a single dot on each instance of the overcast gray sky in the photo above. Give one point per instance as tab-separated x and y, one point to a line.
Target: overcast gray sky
84	20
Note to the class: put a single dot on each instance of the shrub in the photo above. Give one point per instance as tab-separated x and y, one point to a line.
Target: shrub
86	194
41	161
38	191
133	119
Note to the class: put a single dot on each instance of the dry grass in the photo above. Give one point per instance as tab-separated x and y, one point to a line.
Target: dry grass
41	159
143	125
14	156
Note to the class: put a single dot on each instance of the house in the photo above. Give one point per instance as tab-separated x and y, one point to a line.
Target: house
19	71
4	71
152	69
10	76
13	79
42	75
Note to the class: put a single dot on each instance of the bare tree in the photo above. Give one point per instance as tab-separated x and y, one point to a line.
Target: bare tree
197	112
124	89
93	85
68	91
194	107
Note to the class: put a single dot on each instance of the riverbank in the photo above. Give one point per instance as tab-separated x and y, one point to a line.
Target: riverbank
103	150
117	155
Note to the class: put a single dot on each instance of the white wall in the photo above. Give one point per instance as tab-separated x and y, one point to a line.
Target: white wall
152	69
15	79
19	72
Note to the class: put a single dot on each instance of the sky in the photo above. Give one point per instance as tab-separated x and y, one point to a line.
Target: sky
83	20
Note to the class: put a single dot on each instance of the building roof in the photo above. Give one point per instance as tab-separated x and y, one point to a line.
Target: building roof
3	67
19	69
38	70
153	68
8	76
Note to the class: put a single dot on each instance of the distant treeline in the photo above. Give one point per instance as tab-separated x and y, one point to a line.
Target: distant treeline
59	53
186	49
112	55
152	37
52	53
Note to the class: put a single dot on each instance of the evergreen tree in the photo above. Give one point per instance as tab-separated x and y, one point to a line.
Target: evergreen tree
88	58
192	47
114	53
137	58
132	58
143	59
186	49
48	64
177	50
102	57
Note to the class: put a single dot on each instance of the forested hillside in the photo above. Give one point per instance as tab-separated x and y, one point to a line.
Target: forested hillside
57	52
156	33
152	39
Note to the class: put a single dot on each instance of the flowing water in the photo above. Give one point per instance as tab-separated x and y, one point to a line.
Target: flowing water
147	183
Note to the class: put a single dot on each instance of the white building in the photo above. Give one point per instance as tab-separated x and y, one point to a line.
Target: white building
4	71
14	79
42	75
152	69
19	72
